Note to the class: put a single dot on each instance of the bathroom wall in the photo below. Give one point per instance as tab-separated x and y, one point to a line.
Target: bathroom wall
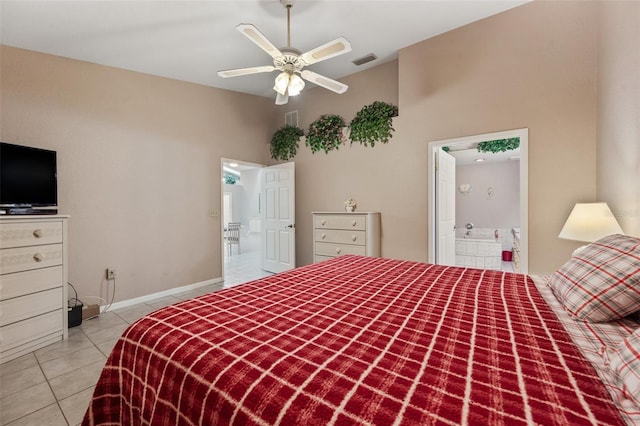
250	180
236	191
494	199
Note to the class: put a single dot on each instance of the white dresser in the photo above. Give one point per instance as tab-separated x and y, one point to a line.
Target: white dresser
33	283
335	234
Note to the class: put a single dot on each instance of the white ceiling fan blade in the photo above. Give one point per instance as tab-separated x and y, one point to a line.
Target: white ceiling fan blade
245	71
282	99
253	34
328	50
326	82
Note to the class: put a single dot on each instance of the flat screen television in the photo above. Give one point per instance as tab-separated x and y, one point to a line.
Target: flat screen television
28	180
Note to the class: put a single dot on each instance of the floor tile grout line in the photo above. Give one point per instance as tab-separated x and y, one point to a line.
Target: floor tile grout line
52	393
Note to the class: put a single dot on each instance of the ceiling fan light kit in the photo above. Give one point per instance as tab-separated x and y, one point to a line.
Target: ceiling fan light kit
290	62
282	82
296	84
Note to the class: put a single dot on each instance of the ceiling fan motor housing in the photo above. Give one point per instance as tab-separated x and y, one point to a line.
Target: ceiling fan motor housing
290	57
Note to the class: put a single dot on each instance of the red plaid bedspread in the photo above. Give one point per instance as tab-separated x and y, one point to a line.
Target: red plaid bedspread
354	340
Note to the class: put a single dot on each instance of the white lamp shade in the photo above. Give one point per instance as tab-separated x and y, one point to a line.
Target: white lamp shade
296	84
281	99
282	81
589	222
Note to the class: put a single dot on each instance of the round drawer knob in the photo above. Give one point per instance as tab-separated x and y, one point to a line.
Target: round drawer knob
323	236
323	222
37	233
354	223
338	250
38	257
354	237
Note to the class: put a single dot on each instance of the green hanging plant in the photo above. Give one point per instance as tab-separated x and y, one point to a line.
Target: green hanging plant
325	133
373	123
499	145
284	142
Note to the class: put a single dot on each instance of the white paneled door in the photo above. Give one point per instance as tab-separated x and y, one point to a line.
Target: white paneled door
445	208
278	217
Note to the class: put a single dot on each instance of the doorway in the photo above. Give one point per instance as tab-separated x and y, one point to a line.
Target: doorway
241	203
433	205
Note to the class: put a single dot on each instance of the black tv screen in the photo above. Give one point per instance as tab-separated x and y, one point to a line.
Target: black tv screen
27	176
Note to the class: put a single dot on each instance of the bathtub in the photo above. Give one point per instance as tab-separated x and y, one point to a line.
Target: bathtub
476	239
479	252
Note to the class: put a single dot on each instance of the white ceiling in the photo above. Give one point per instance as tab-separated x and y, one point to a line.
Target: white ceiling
192	40
469	156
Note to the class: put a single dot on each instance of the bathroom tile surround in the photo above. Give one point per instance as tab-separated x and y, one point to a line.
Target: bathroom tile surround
479	247
505	235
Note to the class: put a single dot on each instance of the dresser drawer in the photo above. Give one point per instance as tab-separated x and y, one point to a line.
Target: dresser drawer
30	234
21	283
346	221
341	236
28	258
330	249
318	258
31	305
24	332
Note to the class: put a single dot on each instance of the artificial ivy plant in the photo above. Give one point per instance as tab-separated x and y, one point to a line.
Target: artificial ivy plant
284	142
373	123
499	145
325	133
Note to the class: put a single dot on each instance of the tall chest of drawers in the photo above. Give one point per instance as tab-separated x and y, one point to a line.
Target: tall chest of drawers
33	283
335	234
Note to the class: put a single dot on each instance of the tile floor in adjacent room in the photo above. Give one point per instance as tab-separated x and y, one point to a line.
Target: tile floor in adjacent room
53	385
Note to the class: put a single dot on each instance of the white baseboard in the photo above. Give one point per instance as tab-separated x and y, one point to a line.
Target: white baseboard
170	292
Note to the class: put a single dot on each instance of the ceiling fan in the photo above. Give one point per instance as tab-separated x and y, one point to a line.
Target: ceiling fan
290	62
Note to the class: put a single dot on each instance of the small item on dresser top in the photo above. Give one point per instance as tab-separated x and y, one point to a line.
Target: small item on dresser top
349	204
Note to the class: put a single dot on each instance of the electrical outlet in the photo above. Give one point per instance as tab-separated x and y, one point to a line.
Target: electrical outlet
110	274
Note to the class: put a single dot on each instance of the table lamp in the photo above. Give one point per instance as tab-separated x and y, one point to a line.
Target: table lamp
589	222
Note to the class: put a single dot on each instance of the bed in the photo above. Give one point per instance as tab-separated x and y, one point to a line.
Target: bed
358	340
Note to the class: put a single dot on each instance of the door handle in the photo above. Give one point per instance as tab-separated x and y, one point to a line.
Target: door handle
291	226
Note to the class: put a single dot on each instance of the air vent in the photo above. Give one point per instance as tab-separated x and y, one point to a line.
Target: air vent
291	118
368	58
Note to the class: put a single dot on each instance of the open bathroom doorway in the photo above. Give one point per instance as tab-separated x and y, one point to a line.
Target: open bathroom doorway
488	220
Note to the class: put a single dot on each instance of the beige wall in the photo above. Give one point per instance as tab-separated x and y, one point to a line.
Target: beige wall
533	66
140	155
619	111
324	181
138	164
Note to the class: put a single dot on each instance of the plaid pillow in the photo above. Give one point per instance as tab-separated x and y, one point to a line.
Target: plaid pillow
624	360
602	281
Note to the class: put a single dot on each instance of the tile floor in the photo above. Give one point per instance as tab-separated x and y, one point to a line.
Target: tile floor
53	385
507	266
246	265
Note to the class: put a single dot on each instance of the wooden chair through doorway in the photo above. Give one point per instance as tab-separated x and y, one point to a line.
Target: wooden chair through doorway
233	236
